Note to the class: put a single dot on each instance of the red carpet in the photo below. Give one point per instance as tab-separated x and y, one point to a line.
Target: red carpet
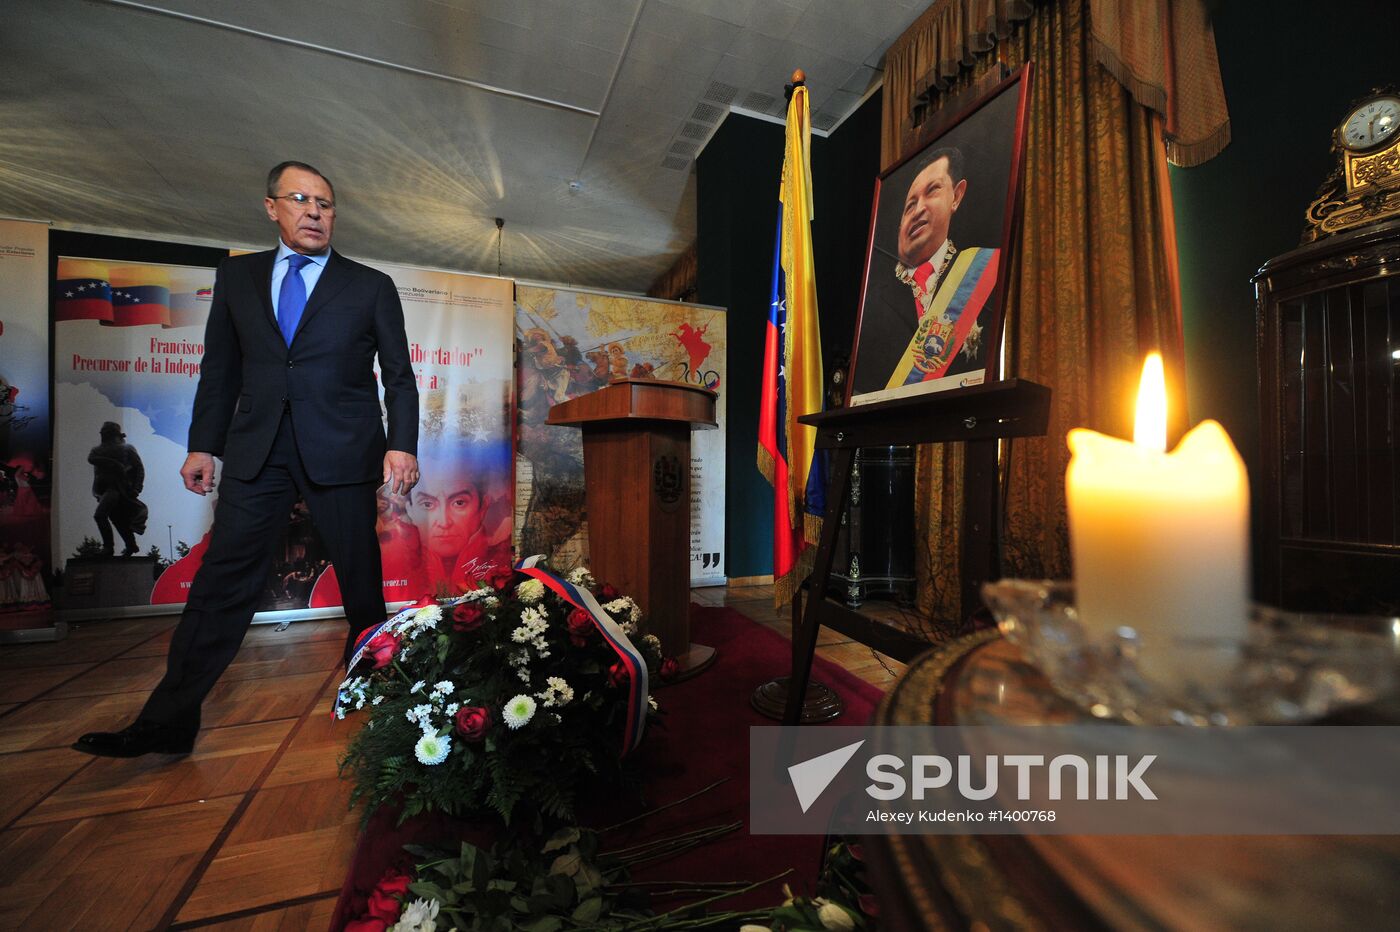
703	737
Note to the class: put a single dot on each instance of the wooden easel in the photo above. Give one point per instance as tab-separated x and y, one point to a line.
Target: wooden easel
979	415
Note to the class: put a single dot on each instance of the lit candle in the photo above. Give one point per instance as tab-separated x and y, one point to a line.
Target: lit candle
1160	540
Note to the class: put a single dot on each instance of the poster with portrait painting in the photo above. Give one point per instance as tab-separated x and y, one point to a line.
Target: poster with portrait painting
939	254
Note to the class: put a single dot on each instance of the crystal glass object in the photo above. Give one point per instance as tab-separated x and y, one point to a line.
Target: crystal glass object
1290	667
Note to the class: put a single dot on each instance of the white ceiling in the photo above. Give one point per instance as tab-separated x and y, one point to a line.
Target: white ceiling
160	118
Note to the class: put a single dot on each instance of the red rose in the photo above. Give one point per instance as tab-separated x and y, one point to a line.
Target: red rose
580	625
500	578
382	647
424	601
383	906
618	675
473	722
857	852
606	592
467	617
394	883
867	904
669	668
367	924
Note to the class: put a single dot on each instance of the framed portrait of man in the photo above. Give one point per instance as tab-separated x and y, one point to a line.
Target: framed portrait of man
938	256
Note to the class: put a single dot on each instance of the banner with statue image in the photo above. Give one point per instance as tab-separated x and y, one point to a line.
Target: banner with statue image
574	341
25	472
128	344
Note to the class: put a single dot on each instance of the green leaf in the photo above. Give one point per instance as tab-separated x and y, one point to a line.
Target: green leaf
589	910
587	879
561	891
543	924
561	838
567	863
541	905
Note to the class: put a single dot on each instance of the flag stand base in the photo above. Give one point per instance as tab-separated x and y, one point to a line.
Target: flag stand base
821	704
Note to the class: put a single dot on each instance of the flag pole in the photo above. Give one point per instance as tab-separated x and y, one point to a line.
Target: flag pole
821	703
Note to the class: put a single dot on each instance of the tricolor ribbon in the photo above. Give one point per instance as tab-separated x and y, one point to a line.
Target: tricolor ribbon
627	653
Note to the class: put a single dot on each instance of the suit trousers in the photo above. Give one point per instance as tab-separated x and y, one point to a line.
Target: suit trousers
248	523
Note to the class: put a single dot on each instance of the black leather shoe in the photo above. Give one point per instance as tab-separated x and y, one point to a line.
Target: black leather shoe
138	738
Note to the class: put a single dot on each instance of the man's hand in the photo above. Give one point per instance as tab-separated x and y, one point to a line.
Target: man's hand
400	471
198	473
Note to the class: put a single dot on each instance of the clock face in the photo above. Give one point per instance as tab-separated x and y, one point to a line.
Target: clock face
1374	122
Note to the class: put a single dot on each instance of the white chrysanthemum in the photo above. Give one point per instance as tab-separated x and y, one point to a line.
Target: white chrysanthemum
521	635
628	628
535	619
418	686
618	606
580	576
428	615
377	700
557	692
339	713
651	642
418	916
432	749
443	687
651	703
519	711
530	591
419	714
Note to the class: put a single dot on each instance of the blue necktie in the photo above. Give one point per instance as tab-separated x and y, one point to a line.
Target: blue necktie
291	300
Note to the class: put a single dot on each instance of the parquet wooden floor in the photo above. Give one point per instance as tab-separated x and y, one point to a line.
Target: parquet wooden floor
250	833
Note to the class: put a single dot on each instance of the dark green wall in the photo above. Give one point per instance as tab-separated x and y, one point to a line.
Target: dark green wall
1290	70
737	178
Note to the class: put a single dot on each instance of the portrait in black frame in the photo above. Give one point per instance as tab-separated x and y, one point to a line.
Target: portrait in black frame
938	254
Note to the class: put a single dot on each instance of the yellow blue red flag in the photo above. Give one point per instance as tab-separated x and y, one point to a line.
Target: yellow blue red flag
792	366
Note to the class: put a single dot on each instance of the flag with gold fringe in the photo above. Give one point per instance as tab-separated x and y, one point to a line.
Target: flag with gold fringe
792	367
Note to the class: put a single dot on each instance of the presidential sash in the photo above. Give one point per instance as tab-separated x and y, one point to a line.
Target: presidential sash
942	330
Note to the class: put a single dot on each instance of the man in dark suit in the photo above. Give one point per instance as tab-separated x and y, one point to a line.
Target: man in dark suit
287	397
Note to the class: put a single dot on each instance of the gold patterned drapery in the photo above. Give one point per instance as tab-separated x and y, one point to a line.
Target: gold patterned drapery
1162	51
1092	287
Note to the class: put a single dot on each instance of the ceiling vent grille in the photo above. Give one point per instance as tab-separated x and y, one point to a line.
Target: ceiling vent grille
758	102
681	147
695	131
721	93
675	163
824	120
706	113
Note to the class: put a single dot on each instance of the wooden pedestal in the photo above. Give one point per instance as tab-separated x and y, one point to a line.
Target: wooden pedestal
636	463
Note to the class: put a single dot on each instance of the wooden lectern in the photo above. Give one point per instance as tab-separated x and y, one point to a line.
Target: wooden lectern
636	467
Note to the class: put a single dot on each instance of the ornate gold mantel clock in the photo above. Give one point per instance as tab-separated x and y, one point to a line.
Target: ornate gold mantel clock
1365	185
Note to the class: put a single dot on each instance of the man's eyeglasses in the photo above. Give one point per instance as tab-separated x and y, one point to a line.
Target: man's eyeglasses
305	200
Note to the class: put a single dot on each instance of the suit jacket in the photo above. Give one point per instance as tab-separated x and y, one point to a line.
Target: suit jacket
887	324
249	375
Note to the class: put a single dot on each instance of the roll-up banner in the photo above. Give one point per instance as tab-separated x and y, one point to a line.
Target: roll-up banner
128	340
25	470
572	342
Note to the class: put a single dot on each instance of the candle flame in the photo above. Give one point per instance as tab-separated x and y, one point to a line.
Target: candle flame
1150	426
